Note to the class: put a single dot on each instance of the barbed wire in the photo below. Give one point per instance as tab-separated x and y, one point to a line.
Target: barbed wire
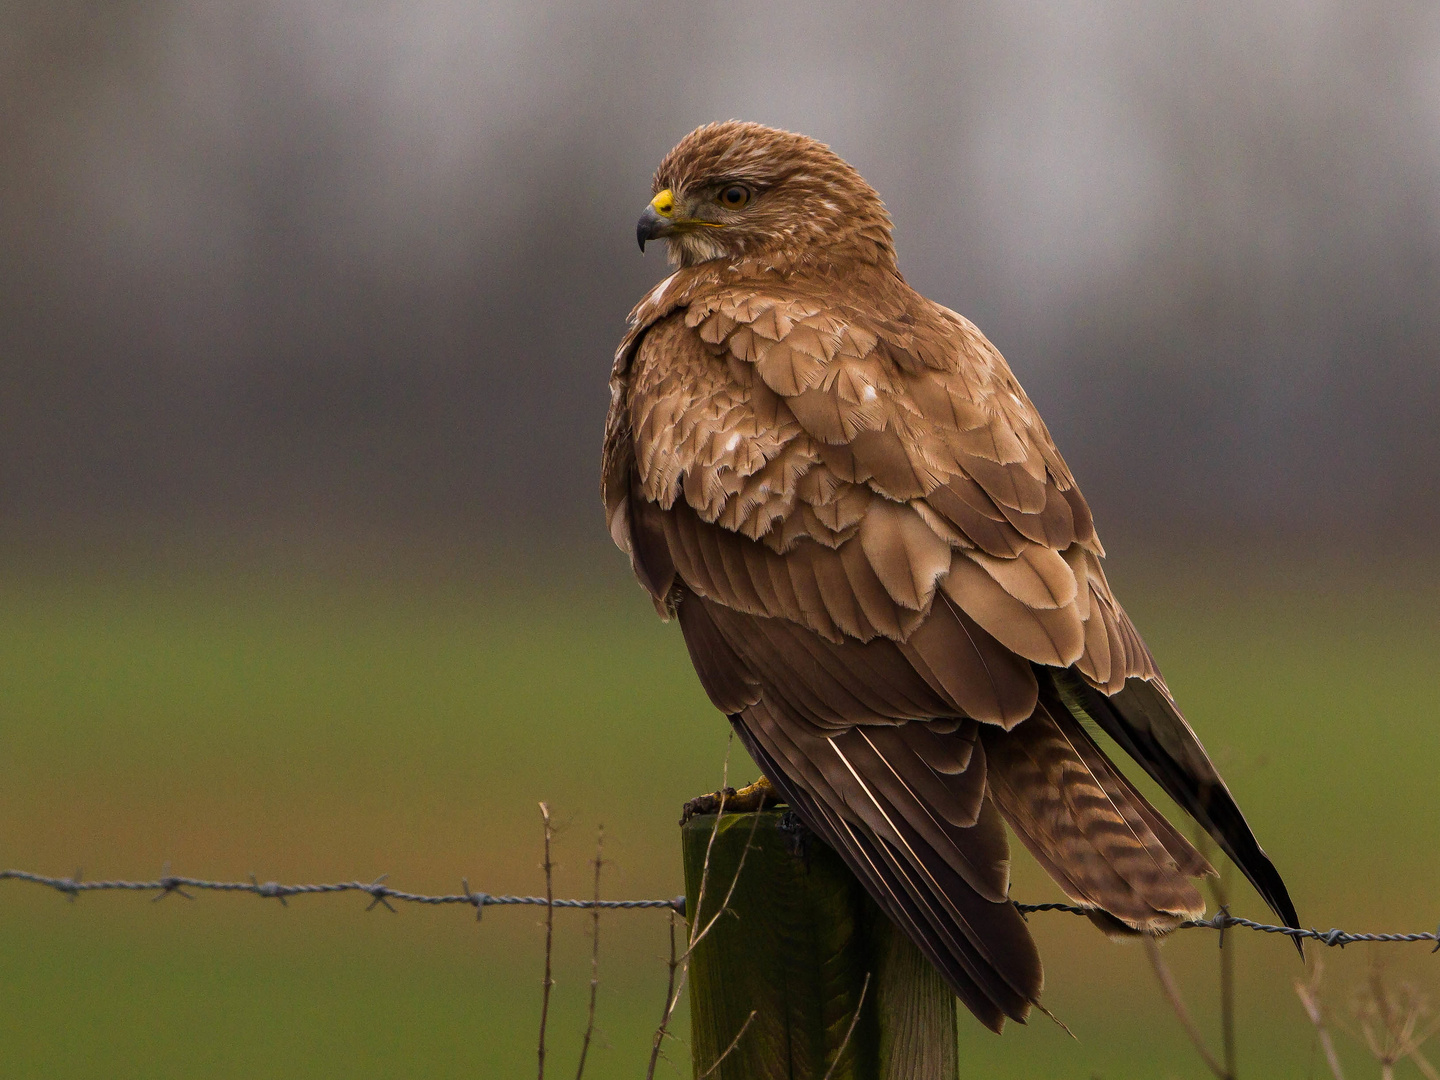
382	894
379	892
1223	920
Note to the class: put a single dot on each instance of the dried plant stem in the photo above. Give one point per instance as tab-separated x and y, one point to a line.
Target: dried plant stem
1390	1018
680	965
860	1004
547	982
733	1043
594	957
1219	886
1227	1004
1309	996
710	843
678	985
696	938
1177	1003
670	995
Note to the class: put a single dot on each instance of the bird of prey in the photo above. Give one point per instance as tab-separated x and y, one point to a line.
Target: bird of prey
885	574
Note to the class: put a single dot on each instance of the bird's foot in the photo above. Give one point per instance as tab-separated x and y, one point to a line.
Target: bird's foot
747	800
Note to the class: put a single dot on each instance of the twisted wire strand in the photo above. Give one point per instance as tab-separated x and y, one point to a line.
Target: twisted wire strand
380	893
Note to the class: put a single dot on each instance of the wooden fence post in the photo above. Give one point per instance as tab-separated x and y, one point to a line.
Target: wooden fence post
798	945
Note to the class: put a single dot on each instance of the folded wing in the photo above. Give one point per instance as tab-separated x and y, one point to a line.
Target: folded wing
889	581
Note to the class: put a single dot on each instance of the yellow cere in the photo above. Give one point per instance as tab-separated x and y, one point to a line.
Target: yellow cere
664	203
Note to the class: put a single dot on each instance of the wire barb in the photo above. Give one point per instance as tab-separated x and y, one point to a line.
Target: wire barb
479	899
270	890
379	894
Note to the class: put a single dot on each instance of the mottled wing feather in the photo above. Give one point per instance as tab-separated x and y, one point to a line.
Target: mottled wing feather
981	677
912	428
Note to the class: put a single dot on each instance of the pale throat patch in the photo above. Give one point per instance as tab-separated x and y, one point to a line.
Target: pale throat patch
689	248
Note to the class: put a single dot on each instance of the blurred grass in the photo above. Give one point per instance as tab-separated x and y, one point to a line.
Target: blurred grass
317	724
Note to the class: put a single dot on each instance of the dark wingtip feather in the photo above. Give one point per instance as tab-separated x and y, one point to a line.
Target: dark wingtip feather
1148	727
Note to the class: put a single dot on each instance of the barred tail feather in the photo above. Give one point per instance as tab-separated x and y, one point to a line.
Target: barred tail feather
1144	720
1095	834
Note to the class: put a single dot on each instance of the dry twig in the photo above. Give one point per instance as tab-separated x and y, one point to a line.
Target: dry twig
594	957
860	1004
1177	1003
696	938
1423	1064
733	1043
1309	995
1390	1018
670	996
680	966
548	982
694	916
1220	893
676	982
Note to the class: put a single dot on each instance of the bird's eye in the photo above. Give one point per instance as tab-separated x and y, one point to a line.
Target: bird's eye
735	197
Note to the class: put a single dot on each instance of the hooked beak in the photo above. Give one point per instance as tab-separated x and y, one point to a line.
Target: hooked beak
651	226
658	219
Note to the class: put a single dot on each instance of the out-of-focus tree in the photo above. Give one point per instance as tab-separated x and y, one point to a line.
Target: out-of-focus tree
365	264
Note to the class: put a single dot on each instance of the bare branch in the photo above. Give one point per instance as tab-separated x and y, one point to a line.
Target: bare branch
1220	889
671	992
548	982
1309	995
594	956
1177	1003
694	916
680	966
725	904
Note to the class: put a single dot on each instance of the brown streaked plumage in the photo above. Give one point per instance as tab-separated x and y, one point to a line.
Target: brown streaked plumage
885	574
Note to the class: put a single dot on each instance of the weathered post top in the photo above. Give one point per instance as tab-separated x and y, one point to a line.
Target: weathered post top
800	943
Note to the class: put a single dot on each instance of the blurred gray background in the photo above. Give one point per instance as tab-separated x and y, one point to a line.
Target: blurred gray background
326	265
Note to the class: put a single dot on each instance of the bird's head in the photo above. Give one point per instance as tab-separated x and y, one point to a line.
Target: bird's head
745	191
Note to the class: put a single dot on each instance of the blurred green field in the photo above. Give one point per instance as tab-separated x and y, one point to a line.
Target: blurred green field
230	717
